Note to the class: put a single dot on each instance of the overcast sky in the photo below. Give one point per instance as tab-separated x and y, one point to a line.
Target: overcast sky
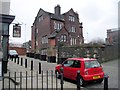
97	15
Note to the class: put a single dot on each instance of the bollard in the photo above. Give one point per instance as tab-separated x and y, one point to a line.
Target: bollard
18	61
15	59
106	82
12	59
78	80
39	68
25	63
61	70
31	65
21	61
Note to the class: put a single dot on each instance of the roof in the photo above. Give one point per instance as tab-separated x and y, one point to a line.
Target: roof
82	59
53	35
52	15
72	11
6	18
56	17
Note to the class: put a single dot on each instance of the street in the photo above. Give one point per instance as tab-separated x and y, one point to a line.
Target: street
110	68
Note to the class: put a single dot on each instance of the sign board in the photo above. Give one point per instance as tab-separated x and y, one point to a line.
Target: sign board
16	30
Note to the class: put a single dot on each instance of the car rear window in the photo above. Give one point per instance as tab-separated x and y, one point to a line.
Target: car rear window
92	64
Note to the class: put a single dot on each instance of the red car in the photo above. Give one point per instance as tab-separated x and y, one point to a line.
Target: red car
90	69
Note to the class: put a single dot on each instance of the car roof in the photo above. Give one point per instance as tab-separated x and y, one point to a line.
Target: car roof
82	59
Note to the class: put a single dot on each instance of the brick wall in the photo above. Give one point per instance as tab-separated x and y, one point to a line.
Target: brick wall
20	50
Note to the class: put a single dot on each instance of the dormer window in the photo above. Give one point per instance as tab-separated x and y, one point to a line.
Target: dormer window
71	18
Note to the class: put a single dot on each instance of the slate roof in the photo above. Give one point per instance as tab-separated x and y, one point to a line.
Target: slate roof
53	35
56	17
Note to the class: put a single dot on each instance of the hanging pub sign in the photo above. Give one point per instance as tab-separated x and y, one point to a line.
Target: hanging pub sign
16	30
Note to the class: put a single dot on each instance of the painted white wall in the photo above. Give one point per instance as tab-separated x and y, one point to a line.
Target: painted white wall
5	7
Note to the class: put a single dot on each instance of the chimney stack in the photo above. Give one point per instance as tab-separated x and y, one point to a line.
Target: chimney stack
57	10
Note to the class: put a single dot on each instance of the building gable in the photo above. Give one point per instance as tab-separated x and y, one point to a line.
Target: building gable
40	13
71	12
55	33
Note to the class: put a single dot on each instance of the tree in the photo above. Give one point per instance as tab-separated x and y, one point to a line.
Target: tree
97	41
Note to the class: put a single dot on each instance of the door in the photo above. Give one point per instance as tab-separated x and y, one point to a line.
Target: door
67	68
75	68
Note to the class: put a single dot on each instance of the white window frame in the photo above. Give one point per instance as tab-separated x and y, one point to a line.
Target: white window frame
57	25
63	38
73	41
72	29
44	39
71	18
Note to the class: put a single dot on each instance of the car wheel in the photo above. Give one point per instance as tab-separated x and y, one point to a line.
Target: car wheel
82	82
57	74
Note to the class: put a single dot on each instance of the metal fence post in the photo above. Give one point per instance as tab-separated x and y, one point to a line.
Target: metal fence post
3	82
11	59
42	80
15	59
56	82
37	80
47	79
51	79
78	80
106	82
61	69
9	80
15	80
26	80
20	80
31	80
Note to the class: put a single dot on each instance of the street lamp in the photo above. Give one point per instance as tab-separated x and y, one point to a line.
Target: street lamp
5	21
58	51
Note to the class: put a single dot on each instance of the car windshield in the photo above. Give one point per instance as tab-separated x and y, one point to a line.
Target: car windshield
92	64
68	62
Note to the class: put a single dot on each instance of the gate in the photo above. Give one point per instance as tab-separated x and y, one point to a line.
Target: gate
47	80
32	80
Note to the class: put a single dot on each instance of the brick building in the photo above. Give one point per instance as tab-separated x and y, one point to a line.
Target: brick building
52	29
113	36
